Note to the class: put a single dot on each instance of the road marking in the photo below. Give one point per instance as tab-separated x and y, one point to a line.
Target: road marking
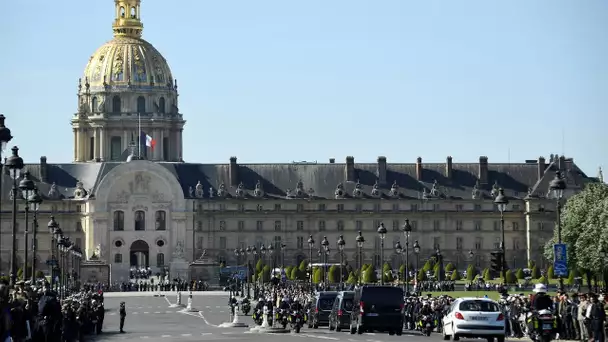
218	307
206	321
135	313
206	334
169	311
167	299
146	312
207	306
186	335
166	336
156	312
371	333
221	311
112	313
319	337
145	337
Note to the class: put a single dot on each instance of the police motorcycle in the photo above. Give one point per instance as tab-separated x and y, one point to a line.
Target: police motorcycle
245	306
257	316
426	324
296	321
282	317
543	324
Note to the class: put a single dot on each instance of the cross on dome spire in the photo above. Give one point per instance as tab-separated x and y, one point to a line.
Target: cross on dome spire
127	22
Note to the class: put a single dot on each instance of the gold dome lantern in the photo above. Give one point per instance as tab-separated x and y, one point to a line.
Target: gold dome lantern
127	60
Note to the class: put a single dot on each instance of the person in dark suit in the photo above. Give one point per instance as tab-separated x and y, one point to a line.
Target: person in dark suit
123	315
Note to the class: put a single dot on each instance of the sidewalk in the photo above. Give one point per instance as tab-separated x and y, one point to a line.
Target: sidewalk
162	294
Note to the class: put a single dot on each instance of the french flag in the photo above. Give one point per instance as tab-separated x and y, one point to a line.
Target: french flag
145	138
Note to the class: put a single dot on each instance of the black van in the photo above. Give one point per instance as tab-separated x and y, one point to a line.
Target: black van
321	307
339	317
377	308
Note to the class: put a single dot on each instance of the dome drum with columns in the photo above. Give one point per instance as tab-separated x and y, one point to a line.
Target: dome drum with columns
127	82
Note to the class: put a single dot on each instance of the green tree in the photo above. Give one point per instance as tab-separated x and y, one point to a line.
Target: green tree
222	265
369	276
352	279
421	275
471	272
259	266
39	274
550	273
428	265
583	221
288	270
20	273
402	272
334	274
520	274
455	275
449	267
535	273
296	274
531	264
303	266
511	278
318	275
487	275
265	274
542	280
571	275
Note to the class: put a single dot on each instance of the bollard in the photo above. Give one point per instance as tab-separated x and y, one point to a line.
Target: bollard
179	298
265	318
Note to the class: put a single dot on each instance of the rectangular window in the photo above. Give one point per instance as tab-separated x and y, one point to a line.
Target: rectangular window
358	207
436	242
277	207
199	226
414	225
78	226
115	148
260	207
165	155
458	225
515	244
395	206
321	207
259	225
222	226
241	207
359	225
436	225
222	242
377	207
117	258
496	243
340	207
78	208
459	243
477	207
395	225
92	148
241	226
436	207
321	225
496	225
300	225
414	207
300	242
541	226
477	225
516	207
300	207
459	207
340	225
478	244
277	226
199	242
78	242
515	226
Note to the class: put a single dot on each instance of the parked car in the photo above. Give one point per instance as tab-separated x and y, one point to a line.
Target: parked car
321	308
339	317
474	318
377	308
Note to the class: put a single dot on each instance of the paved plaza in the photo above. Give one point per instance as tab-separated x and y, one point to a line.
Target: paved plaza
152	318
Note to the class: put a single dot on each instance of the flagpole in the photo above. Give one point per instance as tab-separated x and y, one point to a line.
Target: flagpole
139	136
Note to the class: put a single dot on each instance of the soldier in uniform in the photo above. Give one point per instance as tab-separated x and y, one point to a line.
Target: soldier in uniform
123	315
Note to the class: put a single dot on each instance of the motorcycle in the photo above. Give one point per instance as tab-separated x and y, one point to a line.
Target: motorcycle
426	325
295	320
246	307
544	327
282	317
257	316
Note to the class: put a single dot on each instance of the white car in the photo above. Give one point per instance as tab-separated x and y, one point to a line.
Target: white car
474	318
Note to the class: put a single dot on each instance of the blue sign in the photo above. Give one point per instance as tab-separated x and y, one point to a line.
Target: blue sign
560	260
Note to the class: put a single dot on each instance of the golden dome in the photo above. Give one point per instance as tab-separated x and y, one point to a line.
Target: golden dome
125	61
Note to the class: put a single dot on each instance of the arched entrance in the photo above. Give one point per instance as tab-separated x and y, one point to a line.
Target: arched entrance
139	254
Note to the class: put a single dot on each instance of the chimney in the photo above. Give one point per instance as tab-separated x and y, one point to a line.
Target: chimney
561	163
44	170
541	167
350	169
483	170
419	168
332	160
233	171
448	167
381	173
568	163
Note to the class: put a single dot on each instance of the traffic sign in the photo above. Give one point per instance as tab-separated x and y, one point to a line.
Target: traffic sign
560	260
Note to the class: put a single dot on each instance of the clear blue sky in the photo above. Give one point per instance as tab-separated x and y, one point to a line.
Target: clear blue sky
277	81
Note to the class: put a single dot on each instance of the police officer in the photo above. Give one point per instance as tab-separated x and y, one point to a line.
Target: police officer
123	315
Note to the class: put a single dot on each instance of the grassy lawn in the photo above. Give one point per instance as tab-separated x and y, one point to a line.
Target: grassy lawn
457	294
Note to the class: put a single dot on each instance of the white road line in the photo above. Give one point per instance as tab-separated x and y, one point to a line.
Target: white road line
318	336
146	312
186	335
156	312
135	313
218	307
207	306
206	321
371	333
169	311
112	313
145	337
221	311
206	334
166	336
167	299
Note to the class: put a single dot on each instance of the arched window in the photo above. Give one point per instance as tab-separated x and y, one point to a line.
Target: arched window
94	104
161	105
116	104
122	12
140	220
119	220
160	219
115	148
160	260
133	13
141	104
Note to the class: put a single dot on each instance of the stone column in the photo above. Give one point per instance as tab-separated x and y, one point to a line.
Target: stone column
76	142
102	144
96	143
161	145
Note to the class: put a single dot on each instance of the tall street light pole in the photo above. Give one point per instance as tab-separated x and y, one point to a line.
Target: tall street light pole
272	257
382	232
417	252
341	244
557	187
5	138
325	246
15	164
360	241
35	200
407	229
501	202
263	255
399	251
248	253
311	244
27	187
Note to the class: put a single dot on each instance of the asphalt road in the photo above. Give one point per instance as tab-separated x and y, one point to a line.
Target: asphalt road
153	319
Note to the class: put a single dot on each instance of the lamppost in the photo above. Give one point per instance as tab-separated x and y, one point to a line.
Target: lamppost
501	202
15	164
26	186
54	232
325	246
270	251
407	229
254	252
557	187
311	244
263	253
283	247
417	252
399	251
440	263
382	232
5	137
341	244
35	200
360	241
248	253
76	256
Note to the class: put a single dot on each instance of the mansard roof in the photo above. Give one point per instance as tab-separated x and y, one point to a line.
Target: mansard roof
328	180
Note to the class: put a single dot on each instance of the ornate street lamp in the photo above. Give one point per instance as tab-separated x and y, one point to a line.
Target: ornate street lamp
311	244
501	202
5	138
407	230
54	232
439	258
557	187
399	251
417	252
382	232
248	253
283	247
360	241
27	187
270	252
15	164
35	200
341	244
325	246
